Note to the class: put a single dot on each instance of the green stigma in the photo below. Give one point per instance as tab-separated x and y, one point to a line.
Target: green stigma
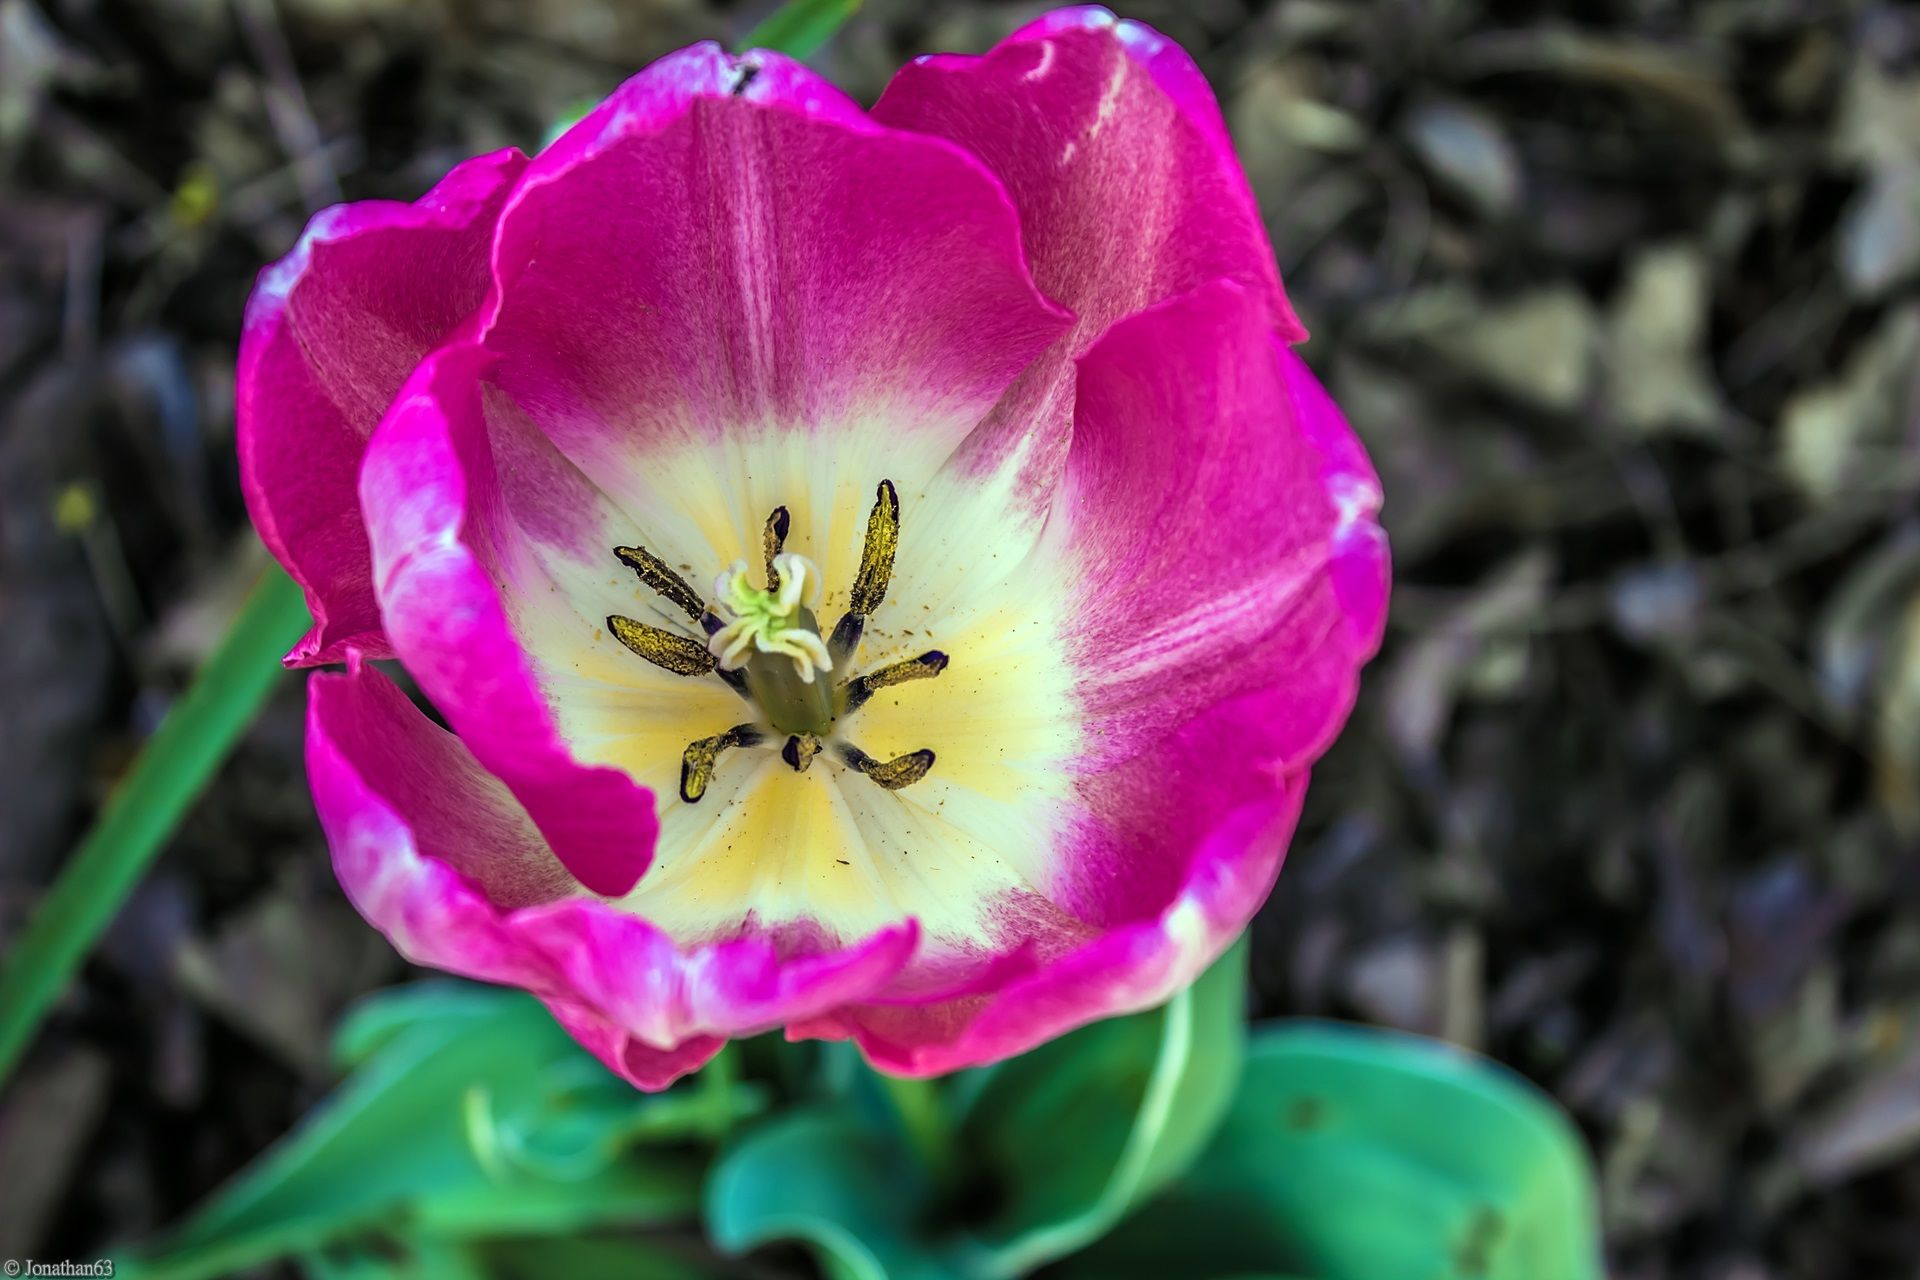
775	620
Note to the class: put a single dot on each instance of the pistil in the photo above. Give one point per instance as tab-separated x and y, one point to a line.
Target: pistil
773	636
766	643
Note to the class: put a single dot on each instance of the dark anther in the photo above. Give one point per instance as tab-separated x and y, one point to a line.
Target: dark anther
876	570
860	688
901	771
772	538
747	73
682	655
663	581
800	750
696	764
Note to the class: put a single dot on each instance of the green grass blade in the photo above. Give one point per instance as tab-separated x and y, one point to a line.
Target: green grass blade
172	769
800	27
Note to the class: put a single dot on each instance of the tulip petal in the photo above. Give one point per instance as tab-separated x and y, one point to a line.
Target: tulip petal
439	856
452	549
428	847
729	248
1235	854
1221	580
332	330
1130	561
1111	146
638	978
1216	526
640	1064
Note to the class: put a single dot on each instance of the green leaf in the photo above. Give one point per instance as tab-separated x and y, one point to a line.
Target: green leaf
419	1260
572	116
443	1003
1353	1154
455	1124
800	27
847	1189
172	769
627	1257
590	1259
1140	1097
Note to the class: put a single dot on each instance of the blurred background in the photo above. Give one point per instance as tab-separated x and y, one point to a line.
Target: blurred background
1620	295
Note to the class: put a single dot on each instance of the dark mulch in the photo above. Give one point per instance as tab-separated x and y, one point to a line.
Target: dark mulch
1621	296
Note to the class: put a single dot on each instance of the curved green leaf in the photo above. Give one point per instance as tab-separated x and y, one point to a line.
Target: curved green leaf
627	1257
454	1125
1140	1097
820	1176
1353	1154
624	1257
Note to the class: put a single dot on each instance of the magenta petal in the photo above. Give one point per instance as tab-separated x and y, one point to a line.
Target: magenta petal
728	245
1109	141
426	845
438	856
1223	514
332	330
637	978
1125	969
1111	146
432	496
1227	580
1169	65
728	290
642	1065
1360	564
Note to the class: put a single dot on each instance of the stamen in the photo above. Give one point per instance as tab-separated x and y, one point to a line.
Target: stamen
682	655
876	569
770	622
860	688
766	644
800	750
901	771
772	539
655	573
696	764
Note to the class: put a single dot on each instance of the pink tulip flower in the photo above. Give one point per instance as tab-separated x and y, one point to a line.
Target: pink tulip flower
885	573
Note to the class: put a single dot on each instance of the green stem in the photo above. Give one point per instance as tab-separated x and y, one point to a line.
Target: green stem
718	1080
923	1117
172	769
800	27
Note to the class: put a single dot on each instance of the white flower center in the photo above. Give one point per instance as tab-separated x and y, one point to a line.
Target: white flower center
778	621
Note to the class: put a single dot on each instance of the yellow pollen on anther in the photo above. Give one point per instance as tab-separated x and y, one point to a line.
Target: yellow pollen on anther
776	622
